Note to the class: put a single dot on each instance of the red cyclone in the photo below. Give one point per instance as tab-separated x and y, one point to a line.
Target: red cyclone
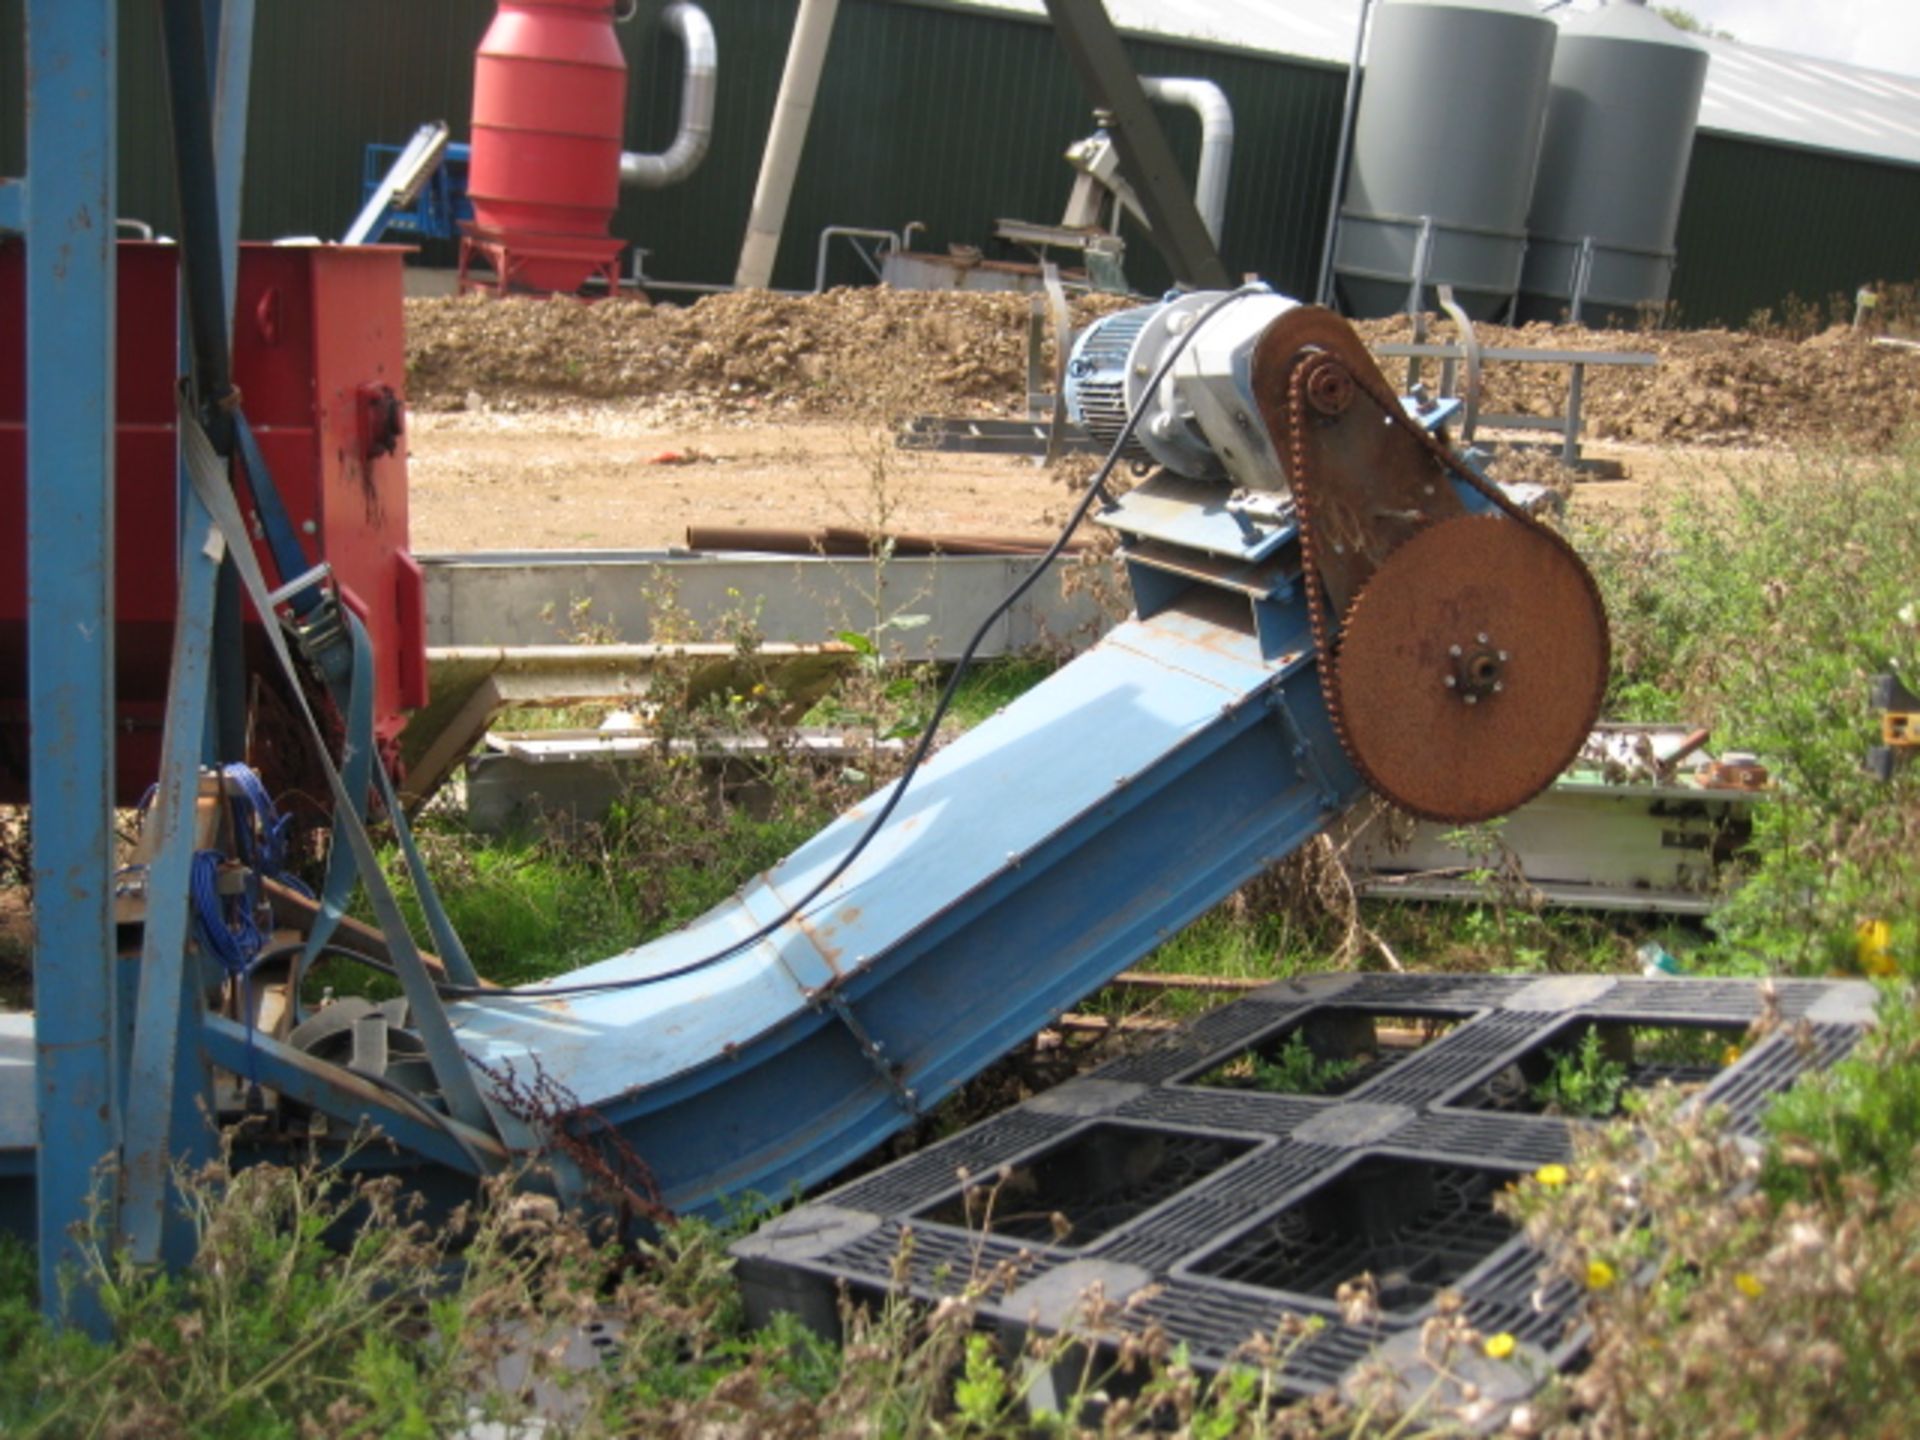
549	107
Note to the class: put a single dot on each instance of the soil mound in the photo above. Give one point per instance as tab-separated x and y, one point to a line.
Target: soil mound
880	354
1710	387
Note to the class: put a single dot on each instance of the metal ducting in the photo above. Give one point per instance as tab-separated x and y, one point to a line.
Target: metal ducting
699	85
1208	101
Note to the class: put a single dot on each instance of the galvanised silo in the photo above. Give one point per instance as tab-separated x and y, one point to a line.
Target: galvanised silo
1613	164
1444	154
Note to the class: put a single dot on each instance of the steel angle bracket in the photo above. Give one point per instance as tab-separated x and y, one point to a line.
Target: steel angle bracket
466	1100
345	1093
829	999
1305	754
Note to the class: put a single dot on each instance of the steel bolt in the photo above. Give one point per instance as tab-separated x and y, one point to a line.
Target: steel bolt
1454	651
1451	682
1329	389
1473	699
1481	637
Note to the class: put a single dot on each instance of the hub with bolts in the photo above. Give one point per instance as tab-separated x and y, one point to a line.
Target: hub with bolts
1476	669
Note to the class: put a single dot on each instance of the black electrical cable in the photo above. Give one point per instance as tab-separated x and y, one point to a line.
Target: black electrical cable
1095	490
297	948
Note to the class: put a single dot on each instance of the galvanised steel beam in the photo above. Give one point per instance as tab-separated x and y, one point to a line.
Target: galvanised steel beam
228	30
168	1077
1093	45
229	33
69	227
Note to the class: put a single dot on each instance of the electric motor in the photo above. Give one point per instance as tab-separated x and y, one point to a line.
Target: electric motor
1201	420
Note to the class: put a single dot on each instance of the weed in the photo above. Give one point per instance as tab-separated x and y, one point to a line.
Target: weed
1761	604
1294	1069
1583	1081
1859	1120
1719	1306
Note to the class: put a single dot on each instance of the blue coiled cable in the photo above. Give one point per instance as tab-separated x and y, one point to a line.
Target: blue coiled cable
228	926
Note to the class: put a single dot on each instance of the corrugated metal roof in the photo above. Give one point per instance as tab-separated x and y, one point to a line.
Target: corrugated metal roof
1751	92
1793	100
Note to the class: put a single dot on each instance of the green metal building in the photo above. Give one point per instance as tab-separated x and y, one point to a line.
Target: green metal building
952	113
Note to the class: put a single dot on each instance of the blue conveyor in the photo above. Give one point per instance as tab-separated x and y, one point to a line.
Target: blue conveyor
1032	859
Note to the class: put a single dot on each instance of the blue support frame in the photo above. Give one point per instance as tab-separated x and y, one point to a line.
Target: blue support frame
68	221
170	1089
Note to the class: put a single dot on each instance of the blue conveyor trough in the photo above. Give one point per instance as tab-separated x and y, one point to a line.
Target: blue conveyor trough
836	999
1032	859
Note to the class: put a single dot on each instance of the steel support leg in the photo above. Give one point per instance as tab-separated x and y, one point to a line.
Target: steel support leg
166	1119
168	1072
70	270
1093	46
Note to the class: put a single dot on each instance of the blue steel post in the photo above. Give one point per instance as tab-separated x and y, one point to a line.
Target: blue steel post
164	1109
69	227
228	26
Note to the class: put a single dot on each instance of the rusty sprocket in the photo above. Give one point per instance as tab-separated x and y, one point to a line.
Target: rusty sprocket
1470	668
1408	578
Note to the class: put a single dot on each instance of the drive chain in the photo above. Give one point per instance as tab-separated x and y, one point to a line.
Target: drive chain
1325	371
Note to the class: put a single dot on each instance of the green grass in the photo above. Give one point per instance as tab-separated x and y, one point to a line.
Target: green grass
1762	605
994	683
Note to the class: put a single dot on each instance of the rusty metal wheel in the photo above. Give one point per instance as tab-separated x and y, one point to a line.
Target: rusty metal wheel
1470	667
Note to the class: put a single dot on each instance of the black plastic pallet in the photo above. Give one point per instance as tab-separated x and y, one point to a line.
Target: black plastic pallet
1225	1211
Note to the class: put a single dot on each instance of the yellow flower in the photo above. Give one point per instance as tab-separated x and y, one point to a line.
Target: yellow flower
1748	1285
1551	1175
1873	948
1600	1275
1729	1055
1499	1347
